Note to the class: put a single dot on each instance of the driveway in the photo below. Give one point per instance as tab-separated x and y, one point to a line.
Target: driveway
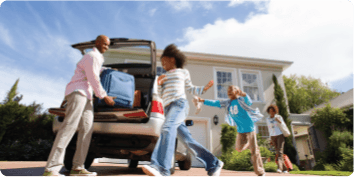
110	169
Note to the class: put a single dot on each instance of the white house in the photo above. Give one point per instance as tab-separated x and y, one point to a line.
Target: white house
252	75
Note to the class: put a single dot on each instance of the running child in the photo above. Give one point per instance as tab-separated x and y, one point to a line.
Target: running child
239	112
171	88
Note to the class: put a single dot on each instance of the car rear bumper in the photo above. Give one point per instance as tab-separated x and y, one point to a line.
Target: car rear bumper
151	128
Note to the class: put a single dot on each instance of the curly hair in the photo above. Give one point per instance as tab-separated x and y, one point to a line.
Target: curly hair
274	107
172	51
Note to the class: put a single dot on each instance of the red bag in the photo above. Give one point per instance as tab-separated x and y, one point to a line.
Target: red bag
287	161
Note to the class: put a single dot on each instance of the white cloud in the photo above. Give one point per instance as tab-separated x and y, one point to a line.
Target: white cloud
260	5
152	12
34	87
180	5
6	37
234	3
316	35
206	5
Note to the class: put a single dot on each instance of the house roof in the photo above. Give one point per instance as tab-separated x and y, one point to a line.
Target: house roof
216	58
341	101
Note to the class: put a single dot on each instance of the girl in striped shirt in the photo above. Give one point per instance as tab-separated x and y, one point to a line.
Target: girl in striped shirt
171	88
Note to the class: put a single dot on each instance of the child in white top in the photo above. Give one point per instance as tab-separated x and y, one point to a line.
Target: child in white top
171	88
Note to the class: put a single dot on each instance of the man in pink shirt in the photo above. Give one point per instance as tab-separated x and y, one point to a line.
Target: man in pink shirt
79	111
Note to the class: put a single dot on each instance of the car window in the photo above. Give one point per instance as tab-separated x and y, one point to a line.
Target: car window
130	54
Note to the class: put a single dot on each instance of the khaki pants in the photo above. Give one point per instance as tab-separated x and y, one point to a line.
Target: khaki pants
279	142
249	141
79	116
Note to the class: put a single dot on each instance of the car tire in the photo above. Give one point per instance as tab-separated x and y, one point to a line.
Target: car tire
69	156
187	163
133	163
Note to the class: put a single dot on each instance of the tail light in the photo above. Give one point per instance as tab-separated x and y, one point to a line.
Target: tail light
156	107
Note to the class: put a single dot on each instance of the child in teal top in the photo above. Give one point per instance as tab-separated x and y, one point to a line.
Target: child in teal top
239	113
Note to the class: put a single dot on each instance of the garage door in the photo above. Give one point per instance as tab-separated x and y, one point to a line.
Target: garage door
199	133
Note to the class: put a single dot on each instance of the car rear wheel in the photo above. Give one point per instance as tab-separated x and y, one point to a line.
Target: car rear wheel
186	164
133	163
69	156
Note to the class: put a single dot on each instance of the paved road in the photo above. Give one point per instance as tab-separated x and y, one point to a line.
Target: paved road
109	169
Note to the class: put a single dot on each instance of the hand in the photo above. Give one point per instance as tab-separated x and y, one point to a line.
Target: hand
240	93
160	79
200	99
210	84
109	100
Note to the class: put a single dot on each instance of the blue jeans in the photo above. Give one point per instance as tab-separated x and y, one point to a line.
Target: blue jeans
161	158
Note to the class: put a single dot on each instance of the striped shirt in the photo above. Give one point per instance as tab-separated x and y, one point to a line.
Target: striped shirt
176	82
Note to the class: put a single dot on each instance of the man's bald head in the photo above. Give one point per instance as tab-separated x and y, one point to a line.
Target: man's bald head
102	43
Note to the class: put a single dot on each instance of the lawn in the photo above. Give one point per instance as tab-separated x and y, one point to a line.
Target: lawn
323	173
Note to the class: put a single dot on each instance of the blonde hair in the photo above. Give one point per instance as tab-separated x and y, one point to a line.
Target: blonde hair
238	88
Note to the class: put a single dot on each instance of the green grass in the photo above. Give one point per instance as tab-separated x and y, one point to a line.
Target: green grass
323	173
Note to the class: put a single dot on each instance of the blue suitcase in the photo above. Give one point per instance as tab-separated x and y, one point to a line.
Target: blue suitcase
117	84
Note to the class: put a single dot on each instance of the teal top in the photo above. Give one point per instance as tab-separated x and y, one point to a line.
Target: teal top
242	118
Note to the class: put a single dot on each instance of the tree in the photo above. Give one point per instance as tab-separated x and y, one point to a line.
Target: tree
283	111
25	133
305	93
337	125
8	106
329	119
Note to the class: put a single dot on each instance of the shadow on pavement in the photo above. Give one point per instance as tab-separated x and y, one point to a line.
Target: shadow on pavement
101	171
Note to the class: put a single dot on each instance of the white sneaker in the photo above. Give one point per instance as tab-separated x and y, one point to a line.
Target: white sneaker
150	171
217	170
52	173
82	172
262	174
197	104
285	172
279	171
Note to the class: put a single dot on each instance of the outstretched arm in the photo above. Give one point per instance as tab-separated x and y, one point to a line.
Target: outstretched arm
212	103
195	90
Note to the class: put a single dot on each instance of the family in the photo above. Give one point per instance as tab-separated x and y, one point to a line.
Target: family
172	87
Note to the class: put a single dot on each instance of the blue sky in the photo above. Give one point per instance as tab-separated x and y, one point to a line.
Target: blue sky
36	36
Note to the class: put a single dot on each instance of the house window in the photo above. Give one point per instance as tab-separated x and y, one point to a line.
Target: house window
224	77
160	71
263	131
251	84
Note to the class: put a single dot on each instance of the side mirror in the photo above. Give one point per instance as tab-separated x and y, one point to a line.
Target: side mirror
189	122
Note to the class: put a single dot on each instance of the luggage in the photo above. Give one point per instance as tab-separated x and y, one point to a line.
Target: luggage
287	161
120	85
137	99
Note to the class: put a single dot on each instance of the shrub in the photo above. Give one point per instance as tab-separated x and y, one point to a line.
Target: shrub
265	152
238	161
329	167
295	168
319	166
228	138
346	164
337	141
270	167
